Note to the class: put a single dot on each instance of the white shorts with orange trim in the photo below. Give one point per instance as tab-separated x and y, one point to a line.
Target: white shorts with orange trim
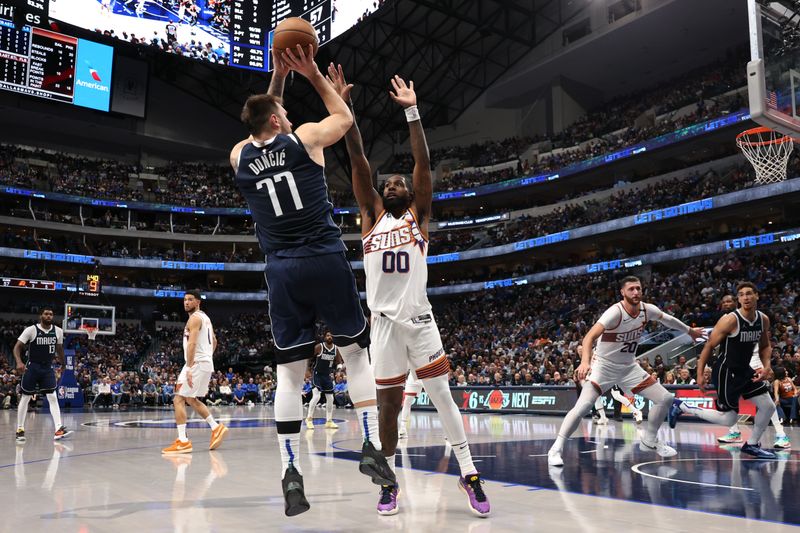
630	377
396	347
201	375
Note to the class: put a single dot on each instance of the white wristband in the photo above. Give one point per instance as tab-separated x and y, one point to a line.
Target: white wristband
412	113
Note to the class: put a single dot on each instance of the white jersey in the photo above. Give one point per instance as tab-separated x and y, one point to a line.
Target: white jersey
622	334
204	351
395	263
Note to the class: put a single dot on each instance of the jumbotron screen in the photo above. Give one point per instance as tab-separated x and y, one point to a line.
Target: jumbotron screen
229	32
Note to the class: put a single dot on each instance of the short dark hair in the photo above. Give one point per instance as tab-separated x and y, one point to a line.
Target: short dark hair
409	182
193	292
746	285
780	372
257	110
46	308
629	279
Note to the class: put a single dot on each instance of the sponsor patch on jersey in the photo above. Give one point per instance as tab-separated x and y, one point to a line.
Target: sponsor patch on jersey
427	318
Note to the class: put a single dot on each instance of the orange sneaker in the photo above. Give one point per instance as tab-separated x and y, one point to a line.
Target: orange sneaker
178	447
217	435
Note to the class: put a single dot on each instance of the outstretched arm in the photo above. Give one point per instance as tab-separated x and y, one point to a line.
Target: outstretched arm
319	135
369	201
279	73
423	186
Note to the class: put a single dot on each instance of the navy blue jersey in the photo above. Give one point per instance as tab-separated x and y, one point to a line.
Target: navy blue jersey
325	360
288	199
737	350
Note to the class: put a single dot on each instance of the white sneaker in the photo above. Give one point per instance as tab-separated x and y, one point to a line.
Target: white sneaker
659	447
554	458
637	417
602	421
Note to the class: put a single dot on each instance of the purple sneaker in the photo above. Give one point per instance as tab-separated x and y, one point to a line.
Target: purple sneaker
478	502
387	504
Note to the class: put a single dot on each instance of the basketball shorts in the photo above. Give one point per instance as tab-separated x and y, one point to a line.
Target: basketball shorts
413	385
735	383
303	290
399	346
39	378
201	375
323	382
630	377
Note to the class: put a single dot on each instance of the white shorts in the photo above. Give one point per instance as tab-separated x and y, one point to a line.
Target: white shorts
630	377
396	347
201	375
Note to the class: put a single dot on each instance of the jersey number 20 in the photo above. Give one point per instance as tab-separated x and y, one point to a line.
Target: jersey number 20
270	183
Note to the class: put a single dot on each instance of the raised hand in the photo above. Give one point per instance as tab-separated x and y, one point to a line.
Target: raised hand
403	94
280	67
301	61
336	78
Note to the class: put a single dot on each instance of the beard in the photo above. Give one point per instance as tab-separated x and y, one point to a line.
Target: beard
397	202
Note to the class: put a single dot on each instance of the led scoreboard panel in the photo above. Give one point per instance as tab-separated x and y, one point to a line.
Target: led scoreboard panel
46	64
252	23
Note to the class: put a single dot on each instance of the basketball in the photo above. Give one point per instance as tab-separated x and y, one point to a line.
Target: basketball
293	31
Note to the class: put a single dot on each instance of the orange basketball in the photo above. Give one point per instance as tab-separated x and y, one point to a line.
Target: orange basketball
293	31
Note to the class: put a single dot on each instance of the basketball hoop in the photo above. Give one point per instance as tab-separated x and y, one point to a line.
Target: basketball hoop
768	150
91	331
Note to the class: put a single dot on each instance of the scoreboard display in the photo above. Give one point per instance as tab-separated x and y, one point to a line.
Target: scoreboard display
46	64
89	284
253	22
24	283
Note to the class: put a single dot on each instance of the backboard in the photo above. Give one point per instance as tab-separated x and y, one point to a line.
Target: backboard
773	73
78	316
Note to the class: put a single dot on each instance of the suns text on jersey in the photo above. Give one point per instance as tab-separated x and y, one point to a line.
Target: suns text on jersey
390	239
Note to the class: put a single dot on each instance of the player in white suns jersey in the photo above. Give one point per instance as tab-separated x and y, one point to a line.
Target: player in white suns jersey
404	335
618	332
199	344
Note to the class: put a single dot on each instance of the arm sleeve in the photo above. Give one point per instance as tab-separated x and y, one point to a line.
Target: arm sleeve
611	318
654	313
28	334
59	335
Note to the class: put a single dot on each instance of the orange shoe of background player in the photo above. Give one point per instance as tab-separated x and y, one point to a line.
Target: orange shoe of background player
217	435
178	447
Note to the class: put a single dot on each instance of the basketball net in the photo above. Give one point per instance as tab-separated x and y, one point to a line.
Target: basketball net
768	151
91	332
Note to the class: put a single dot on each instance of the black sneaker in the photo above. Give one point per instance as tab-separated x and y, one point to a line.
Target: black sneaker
61	433
373	464
20	435
294	493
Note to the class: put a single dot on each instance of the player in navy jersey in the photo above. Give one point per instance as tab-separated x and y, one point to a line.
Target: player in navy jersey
737	333
43	342
326	356
281	175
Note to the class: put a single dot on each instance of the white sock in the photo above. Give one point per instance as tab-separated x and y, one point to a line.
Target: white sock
734	429
55	410
22	410
464	458
368	422
315	395
289	445
211	422
391	460
182	433
598	405
408	401
558	445
328	407
776	421
621	398
765	408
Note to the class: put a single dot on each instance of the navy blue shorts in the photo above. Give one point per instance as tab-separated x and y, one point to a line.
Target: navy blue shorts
323	382
303	290
38	379
733	383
